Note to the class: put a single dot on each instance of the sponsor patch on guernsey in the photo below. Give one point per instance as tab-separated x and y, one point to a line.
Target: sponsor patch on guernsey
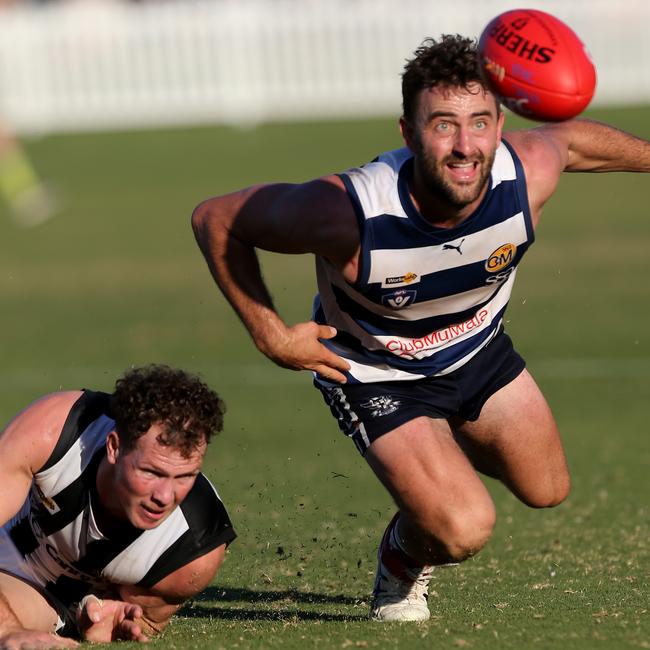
417	348
48	503
399	299
407	278
500	258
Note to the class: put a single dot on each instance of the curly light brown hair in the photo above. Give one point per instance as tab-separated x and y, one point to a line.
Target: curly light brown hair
451	61
188	411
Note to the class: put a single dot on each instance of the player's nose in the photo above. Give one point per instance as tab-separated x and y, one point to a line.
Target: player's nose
463	142
163	493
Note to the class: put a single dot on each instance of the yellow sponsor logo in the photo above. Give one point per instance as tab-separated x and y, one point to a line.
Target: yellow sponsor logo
502	257
45	500
402	279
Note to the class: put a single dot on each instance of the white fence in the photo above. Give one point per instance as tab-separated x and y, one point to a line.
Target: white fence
99	65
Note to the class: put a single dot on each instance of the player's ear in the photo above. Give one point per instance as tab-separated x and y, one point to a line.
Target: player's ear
407	132
501	116
112	447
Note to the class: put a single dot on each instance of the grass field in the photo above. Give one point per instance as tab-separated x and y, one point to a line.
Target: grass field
117	280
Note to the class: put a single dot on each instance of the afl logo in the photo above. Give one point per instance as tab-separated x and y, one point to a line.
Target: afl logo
502	257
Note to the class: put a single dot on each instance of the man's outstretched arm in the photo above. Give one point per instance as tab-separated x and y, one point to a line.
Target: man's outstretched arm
579	145
315	217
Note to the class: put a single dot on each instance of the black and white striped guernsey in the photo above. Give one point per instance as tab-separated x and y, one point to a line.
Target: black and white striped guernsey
62	550
427	299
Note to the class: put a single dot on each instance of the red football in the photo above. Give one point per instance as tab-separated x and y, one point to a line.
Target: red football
536	65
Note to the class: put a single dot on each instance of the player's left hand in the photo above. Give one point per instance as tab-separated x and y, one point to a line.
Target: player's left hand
103	621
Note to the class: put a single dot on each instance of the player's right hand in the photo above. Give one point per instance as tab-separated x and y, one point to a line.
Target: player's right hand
103	620
33	640
301	349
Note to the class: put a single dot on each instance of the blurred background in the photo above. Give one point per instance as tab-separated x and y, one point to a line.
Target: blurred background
89	64
117	118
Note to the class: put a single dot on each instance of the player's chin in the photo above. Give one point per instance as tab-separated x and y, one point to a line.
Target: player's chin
465	193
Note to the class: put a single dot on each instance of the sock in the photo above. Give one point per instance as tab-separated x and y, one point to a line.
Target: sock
396	559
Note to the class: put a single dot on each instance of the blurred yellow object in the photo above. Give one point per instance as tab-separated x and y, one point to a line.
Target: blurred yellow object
30	201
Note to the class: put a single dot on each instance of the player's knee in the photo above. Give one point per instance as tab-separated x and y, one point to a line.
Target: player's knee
550	493
464	533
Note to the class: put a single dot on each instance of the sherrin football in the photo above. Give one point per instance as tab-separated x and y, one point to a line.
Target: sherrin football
536	65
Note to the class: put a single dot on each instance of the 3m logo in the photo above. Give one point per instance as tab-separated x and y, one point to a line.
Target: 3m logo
501	257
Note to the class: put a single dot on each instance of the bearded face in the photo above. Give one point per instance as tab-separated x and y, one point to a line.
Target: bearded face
456	179
454	137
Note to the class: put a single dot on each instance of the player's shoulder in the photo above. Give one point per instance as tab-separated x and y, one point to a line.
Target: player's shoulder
543	157
540	146
384	167
47	413
38	427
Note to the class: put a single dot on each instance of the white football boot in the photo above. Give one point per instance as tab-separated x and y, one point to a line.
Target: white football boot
401	587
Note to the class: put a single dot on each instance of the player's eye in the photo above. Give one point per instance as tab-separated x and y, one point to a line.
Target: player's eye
443	127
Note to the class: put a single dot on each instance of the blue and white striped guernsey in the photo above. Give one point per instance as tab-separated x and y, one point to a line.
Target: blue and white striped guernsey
427	299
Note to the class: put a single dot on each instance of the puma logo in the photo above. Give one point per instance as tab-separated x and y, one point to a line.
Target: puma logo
447	247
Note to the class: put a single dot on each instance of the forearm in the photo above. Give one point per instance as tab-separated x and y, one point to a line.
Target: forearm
235	267
595	147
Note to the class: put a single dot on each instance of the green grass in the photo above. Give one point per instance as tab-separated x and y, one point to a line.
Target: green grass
117	280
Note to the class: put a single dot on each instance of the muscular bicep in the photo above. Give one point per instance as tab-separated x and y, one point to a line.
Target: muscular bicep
26	444
160	602
313	217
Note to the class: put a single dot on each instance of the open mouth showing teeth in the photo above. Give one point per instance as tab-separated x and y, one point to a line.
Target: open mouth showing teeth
463	170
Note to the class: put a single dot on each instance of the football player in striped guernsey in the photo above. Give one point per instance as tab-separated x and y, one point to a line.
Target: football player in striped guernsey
416	255
109	525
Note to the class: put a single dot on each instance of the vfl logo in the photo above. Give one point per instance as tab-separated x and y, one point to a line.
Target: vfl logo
448	247
399	279
383	405
399	299
502	257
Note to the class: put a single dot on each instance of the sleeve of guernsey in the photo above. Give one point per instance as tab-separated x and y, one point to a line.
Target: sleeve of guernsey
208	527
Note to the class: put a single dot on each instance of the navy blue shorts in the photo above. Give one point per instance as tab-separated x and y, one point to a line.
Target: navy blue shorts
365	412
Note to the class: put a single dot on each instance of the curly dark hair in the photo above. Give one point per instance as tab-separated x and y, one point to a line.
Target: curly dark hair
188	410
451	61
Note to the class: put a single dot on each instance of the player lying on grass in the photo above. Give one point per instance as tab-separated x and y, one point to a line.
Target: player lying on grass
416	255
109	525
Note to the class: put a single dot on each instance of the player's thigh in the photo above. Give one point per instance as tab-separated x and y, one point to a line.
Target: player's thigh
432	481
517	436
28	604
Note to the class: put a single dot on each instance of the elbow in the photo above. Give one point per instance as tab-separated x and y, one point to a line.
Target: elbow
211	222
202	216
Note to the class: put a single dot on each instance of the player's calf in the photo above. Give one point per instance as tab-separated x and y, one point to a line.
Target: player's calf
402	581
